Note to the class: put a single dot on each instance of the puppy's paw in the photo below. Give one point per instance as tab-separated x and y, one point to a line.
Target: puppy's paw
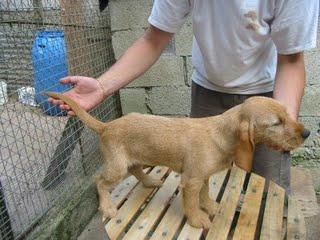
152	183
199	219
108	213
210	207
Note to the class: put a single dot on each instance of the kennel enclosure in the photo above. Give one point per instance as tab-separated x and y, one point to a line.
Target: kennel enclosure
45	158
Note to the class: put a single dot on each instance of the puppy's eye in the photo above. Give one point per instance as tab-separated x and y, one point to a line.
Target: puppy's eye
278	123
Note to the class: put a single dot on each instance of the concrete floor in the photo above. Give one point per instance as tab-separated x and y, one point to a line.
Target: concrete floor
312	223
28	139
94	230
28	143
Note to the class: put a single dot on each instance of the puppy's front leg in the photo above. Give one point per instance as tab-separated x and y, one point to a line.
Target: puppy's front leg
146	180
209	205
191	190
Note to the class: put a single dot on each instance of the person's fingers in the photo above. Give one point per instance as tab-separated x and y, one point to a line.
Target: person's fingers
69	79
55	101
64	107
71	113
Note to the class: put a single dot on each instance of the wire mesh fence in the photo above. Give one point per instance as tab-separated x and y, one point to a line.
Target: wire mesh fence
44	155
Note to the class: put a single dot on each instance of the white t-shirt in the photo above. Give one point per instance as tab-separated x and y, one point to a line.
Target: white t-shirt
235	42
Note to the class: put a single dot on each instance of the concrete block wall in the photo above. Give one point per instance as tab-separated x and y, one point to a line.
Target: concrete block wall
165	88
309	154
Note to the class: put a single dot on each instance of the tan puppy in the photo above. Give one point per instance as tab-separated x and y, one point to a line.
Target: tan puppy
194	147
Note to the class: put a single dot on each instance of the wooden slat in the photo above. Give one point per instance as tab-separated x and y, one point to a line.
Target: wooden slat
137	197
302	188
247	222
273	213
222	221
296	225
171	221
121	191
190	233
215	184
153	210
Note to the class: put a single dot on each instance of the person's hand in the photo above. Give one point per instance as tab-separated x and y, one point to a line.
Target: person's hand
87	92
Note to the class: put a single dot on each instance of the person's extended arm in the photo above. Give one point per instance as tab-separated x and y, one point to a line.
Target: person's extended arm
137	59
290	82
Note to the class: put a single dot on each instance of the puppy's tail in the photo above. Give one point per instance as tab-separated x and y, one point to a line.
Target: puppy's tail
90	121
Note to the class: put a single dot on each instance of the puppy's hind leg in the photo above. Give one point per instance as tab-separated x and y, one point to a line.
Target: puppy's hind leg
206	203
146	180
115	169
106	207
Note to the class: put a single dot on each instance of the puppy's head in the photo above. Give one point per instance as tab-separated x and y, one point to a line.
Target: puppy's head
265	120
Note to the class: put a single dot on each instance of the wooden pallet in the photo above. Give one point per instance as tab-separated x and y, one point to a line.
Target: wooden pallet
242	211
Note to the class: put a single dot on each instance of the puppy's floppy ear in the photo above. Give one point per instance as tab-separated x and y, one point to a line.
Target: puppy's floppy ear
245	149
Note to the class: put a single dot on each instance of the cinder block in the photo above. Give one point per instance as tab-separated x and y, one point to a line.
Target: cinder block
183	39
89	12
172	100
313	124
312	64
306	156
311	102
170	49
133	100
189	70
167	71
129	14
121	40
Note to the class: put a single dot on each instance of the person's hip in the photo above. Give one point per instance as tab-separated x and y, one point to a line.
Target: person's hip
206	102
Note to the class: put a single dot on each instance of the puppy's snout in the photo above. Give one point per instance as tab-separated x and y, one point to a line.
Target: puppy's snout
305	133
